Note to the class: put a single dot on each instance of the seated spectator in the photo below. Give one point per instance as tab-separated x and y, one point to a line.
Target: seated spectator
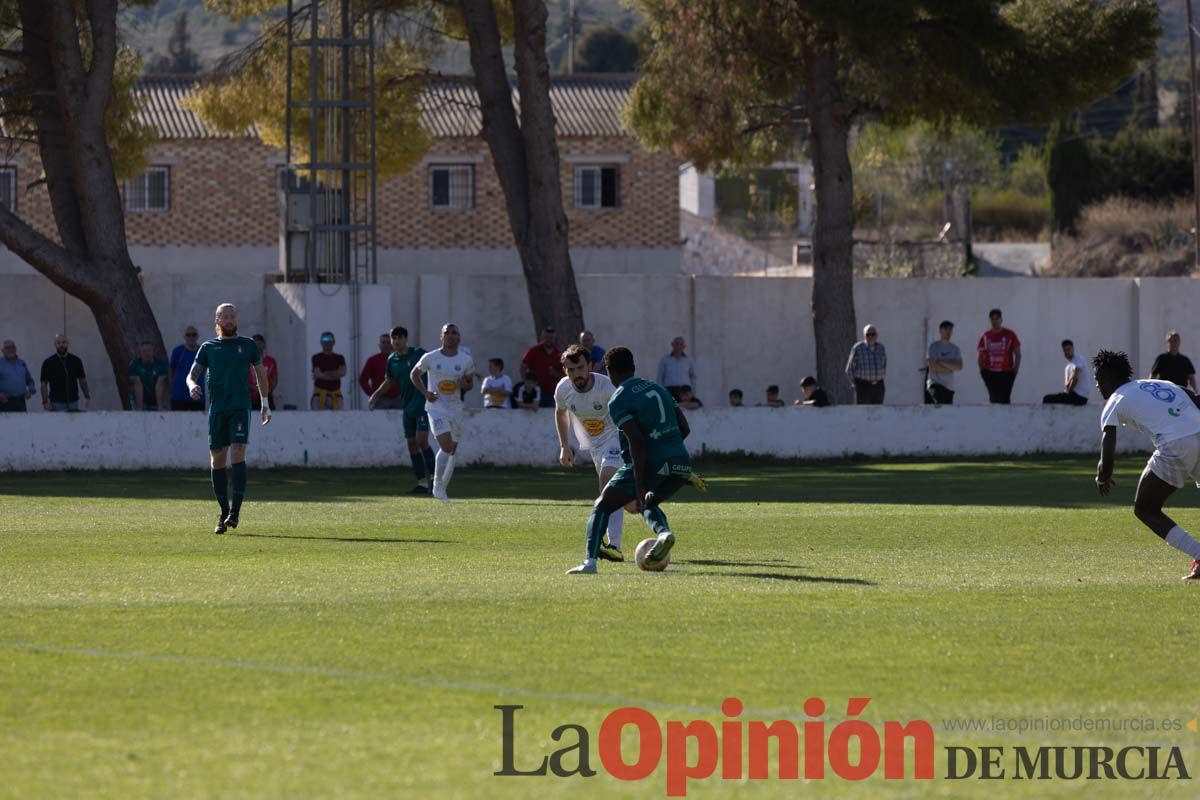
497	388
1075	380
374	373
328	369
544	361
735	398
62	379
149	377
773	400
687	400
527	394
595	352
272	368
814	395
16	382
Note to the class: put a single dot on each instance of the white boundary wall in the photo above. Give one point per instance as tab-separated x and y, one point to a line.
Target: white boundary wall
129	440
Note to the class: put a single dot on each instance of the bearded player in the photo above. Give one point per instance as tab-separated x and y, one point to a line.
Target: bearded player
1166	412
655	463
450	369
581	400
225	363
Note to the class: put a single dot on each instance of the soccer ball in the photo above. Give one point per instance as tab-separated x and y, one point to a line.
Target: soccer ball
643	552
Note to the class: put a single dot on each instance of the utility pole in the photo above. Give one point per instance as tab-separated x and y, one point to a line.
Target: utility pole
1195	135
571	39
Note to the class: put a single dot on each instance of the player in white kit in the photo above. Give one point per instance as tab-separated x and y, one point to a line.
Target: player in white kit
1169	415
451	370
582	397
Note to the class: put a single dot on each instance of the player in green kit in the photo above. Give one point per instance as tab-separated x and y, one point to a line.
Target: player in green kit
225	362
655	462
416	422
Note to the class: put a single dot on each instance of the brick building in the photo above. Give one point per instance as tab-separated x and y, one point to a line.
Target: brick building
210	195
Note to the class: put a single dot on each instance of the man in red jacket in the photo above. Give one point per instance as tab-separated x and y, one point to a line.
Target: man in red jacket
374	373
999	358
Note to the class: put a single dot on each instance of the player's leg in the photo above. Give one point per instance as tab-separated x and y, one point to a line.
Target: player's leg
678	475
414	454
616	494
1158	482
239	436
422	440
218	452
441	427
610	547
455	438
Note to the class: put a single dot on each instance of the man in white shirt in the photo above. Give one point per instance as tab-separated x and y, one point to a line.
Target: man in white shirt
676	369
1169	415
582	398
1075	380
497	388
450	369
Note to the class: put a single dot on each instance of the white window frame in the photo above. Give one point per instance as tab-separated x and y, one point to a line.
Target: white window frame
144	180
10	201
454	204
598	170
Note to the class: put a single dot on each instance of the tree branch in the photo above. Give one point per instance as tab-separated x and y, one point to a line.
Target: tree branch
43	254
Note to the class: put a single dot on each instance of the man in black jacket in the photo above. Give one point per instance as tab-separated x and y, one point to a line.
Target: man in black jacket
63	378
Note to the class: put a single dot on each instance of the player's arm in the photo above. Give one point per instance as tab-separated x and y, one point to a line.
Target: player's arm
681	421
566	456
417	376
637	452
1108	450
383	389
260	373
193	380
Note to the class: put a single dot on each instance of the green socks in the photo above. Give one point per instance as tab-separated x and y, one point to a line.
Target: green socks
596	526
220	491
239	485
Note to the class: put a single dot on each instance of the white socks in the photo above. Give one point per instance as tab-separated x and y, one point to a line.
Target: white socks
616	524
1178	538
447	471
439	467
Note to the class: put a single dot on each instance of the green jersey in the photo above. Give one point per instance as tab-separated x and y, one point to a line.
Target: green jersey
653	409
399	371
227	363
148	374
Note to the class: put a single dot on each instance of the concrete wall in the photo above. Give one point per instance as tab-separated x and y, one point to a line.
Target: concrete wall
129	440
744	332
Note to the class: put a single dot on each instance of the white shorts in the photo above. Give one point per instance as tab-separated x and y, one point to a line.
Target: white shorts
446	423
1177	462
607	455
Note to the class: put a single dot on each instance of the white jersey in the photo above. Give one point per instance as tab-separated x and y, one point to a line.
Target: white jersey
589	410
1159	408
442	374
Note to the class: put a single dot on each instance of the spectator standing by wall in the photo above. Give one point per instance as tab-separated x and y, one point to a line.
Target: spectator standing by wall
999	359
943	360
676	369
374	373
178	367
867	367
328	370
16	384
1174	366
814	395
595	352
271	367
1075	380
544	361
63	379
149	377
496	388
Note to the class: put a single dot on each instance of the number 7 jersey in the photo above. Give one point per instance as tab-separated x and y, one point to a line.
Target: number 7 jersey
653	409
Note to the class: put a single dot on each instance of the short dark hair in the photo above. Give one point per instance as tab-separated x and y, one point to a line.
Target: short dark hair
574	353
499	362
399	330
1114	364
685	388
946	324
738	392
1067	343
808	380
258	337
772	389
995	312
619	359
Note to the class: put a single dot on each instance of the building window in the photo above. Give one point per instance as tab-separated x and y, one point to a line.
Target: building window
150	191
452	187
8	188
597	187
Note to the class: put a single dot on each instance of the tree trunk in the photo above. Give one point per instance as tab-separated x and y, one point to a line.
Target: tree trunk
834	327
526	157
69	101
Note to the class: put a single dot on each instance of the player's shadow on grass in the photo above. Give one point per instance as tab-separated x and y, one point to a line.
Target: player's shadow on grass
768	563
351	539
781	576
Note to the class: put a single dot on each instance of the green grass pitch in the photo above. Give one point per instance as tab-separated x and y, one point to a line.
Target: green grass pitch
350	641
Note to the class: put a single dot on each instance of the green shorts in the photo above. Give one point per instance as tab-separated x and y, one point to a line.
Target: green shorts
228	427
415	422
657	472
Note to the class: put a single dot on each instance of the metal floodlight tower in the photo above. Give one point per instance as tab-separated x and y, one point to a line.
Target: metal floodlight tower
329	180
